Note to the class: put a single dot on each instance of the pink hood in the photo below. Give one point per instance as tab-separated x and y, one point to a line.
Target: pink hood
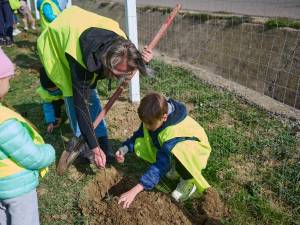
6	66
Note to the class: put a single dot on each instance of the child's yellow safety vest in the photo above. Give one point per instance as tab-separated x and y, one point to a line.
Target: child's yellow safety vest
193	152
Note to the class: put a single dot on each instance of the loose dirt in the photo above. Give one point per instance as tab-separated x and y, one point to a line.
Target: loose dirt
100	207
122	119
149	208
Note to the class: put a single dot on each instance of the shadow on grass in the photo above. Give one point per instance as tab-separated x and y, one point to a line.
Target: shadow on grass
27	61
25	44
32	112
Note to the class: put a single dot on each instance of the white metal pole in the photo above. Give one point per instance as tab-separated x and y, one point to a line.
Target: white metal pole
69	3
131	27
29	4
37	14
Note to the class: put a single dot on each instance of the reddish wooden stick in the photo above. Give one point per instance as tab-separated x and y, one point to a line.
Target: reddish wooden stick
124	84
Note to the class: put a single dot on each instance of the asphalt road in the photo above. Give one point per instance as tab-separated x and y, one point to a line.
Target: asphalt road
268	8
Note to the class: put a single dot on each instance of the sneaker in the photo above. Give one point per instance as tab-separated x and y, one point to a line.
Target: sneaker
184	190
16	32
33	27
2	41
172	174
86	156
26	28
8	41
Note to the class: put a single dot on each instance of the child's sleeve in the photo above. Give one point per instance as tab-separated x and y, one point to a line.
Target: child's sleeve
17	144
49	112
57	105
130	141
161	166
157	170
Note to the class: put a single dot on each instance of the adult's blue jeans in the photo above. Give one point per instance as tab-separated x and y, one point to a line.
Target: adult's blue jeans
94	108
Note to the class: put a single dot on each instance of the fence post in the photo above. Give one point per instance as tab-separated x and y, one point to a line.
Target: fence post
69	3
37	14
29	4
131	28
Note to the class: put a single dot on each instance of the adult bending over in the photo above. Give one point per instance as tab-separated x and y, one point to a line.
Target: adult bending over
77	50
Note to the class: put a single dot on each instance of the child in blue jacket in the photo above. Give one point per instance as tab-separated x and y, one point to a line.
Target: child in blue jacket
49	10
52	101
23	158
174	144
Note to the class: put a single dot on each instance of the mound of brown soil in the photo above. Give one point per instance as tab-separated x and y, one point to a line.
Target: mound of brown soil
122	119
99	203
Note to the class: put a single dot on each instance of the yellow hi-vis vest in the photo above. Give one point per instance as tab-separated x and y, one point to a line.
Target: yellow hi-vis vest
46	96
55	9
193	154
62	36
14	4
10	166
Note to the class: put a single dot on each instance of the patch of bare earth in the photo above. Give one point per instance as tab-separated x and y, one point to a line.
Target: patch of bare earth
245	171
99	204
99	198
225	121
122	119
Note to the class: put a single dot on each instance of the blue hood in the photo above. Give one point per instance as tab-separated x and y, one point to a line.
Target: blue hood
39	3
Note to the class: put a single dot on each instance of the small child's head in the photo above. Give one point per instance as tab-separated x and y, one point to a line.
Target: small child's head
153	111
6	73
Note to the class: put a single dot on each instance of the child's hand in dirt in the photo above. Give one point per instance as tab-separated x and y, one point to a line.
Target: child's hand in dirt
120	157
50	128
120	154
147	54
129	196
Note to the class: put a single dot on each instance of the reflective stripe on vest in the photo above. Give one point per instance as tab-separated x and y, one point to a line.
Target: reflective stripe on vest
193	154
55	9
6	114
62	36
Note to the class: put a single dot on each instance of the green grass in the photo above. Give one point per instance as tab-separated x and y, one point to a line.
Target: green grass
254	163
253	134
282	22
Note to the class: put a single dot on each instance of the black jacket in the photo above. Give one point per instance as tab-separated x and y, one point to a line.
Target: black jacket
93	44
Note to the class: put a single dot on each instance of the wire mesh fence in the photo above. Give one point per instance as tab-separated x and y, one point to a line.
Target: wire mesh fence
237	48
260	53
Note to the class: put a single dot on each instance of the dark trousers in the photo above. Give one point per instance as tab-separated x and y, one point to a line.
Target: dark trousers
57	104
6	19
181	170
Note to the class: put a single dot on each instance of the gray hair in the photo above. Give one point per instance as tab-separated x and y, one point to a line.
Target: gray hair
121	49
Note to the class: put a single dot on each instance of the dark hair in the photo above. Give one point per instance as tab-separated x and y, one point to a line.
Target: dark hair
121	49
44	79
152	107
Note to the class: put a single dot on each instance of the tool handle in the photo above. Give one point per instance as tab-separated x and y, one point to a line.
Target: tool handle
124	84
164	27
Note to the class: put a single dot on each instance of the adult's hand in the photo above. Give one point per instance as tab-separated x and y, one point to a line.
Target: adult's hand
99	156
147	54
128	197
